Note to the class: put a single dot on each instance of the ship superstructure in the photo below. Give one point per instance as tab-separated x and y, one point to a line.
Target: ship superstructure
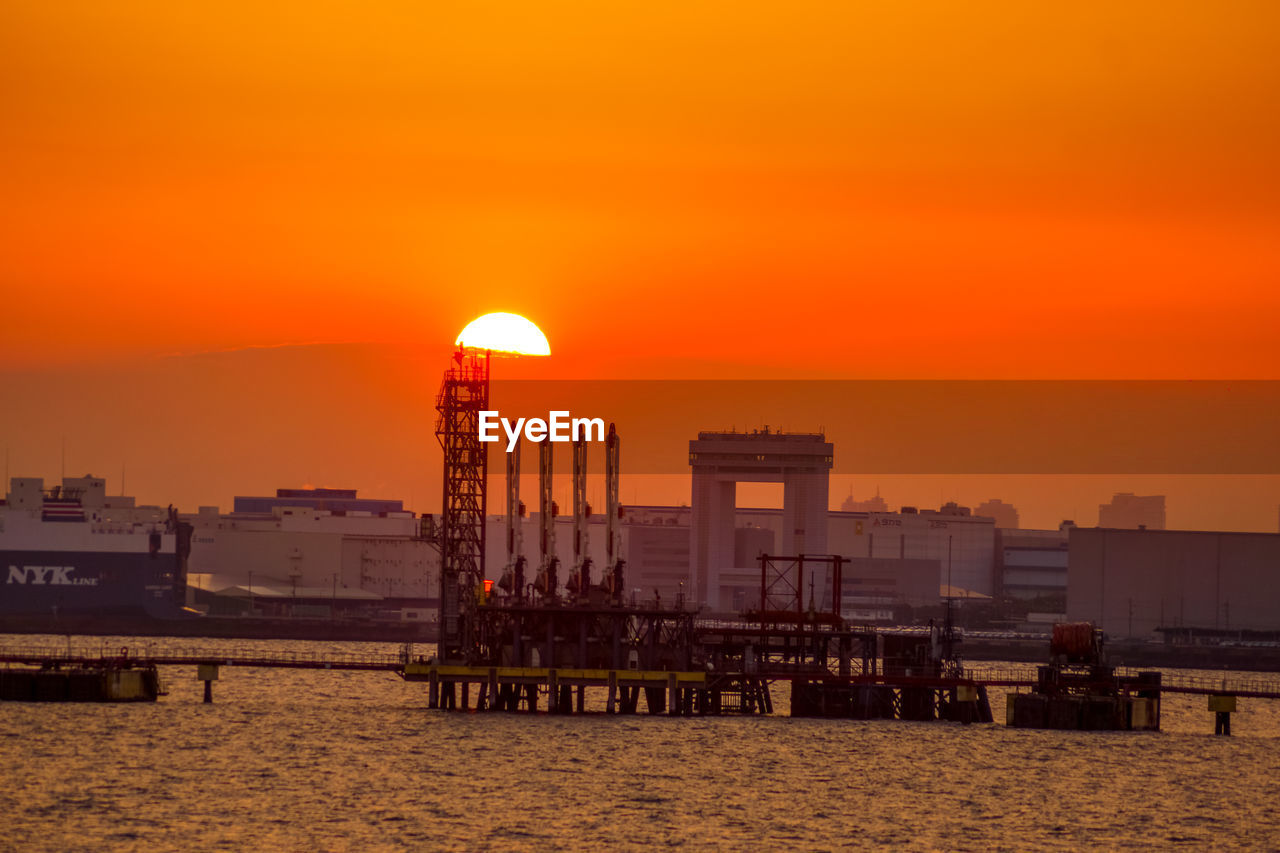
72	549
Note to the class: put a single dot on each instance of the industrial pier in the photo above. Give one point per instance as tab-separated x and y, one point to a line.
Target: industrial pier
522	637
528	639
506	643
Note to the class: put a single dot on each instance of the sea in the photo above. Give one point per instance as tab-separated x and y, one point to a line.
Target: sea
320	760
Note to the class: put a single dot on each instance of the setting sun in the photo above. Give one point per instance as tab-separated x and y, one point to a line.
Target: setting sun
503	332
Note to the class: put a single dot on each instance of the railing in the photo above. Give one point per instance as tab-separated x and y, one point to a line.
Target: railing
1236	683
166	654
176	655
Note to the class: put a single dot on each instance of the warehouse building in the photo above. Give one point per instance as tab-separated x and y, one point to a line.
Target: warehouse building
1132	582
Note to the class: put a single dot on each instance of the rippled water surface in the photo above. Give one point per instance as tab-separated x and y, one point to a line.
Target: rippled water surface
318	760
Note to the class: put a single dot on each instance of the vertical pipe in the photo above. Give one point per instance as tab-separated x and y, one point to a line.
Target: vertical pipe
515	524
613	516
581	515
546	510
764	564
837	588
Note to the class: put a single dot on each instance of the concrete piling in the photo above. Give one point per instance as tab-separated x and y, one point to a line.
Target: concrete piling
208	673
1222	706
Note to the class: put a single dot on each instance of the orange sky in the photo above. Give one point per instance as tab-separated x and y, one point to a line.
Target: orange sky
847	189
749	190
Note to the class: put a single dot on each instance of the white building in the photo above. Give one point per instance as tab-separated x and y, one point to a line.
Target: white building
301	547
962	544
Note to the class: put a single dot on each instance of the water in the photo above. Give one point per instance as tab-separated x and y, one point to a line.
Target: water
316	760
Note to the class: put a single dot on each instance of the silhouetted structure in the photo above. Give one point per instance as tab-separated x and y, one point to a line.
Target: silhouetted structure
464	393
1128	511
721	460
875	504
1006	515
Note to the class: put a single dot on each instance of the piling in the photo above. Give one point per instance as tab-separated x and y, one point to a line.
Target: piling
1222	705
208	673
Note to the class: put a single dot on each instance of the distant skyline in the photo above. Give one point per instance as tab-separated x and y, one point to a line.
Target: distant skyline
237	247
198	430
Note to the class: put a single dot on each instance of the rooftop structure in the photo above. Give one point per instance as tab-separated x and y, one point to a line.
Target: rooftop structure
329	500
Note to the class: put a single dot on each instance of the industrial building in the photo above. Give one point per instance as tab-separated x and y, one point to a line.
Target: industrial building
1132	582
307	550
877	589
312	548
961	544
1033	563
901	557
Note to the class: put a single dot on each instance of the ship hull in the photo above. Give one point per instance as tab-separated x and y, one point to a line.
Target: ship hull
87	582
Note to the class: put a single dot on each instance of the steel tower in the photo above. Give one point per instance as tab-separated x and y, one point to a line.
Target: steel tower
464	393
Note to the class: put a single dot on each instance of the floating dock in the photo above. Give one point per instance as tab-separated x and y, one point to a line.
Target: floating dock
81	682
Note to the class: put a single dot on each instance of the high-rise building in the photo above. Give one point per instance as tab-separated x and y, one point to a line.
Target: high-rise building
875	504
1006	515
1128	511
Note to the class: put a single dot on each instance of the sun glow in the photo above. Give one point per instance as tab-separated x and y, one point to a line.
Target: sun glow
504	333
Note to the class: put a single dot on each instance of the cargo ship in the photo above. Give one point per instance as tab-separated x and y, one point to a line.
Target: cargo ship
72	550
